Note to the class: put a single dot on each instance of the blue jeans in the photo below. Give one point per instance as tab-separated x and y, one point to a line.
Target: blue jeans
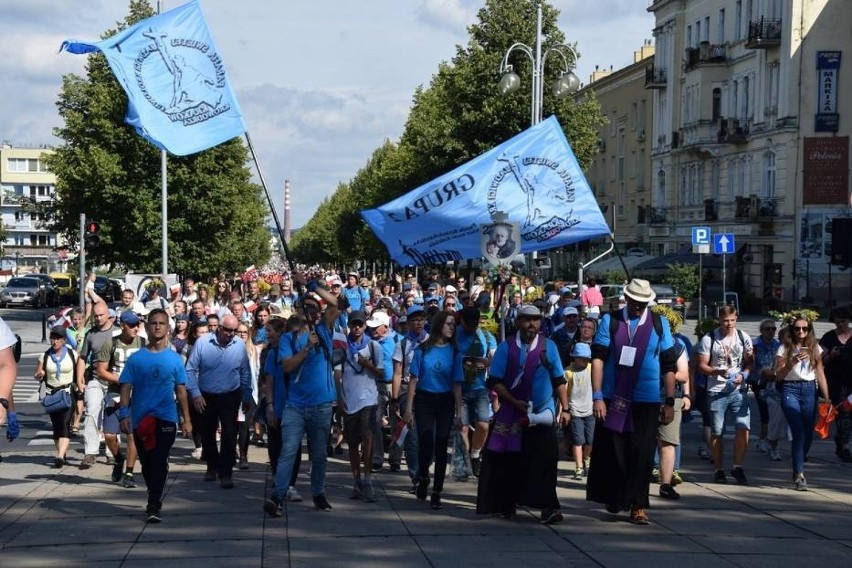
315	421
798	401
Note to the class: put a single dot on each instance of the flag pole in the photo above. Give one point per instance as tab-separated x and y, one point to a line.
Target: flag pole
164	198
283	242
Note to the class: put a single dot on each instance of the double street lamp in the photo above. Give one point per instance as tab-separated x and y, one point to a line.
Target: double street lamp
567	84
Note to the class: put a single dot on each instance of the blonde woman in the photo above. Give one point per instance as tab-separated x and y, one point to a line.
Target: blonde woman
244	419
799	371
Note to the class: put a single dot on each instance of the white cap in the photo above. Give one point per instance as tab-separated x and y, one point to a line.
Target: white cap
378	318
450	289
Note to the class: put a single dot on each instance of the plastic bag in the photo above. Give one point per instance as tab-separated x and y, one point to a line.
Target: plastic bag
826	413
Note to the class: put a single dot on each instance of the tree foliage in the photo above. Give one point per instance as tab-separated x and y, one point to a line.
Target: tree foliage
458	117
216	216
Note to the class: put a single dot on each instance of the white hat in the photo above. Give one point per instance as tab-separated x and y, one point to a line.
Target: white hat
639	290
570	312
378	319
450	289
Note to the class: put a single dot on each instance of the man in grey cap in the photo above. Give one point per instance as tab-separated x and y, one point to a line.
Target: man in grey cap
520	459
632	349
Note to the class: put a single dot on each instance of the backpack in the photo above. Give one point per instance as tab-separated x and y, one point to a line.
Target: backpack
16	349
712	335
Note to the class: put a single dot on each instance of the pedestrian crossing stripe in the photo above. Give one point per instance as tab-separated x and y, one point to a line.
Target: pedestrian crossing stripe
45	438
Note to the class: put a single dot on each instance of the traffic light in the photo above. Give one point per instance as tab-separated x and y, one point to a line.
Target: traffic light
91	238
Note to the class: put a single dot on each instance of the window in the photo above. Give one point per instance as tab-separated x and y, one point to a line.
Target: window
738	20
640	170
688	36
720	32
26	165
683	193
620	173
697	33
714	180
717	104
735	86
745	111
767	181
659	199
706	36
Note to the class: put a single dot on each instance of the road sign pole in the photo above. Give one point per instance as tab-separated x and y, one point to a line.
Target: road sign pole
700	284
724	278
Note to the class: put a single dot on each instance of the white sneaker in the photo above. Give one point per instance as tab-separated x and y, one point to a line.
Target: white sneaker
774	455
293	495
763	446
196	454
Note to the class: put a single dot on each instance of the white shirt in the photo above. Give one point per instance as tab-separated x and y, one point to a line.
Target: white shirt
802	370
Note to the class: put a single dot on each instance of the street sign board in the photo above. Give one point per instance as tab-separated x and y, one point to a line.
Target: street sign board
700	236
723	243
701	249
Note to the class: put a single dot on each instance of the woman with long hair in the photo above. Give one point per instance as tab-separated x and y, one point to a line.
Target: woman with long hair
799	372
181	332
204	296
435	395
244	419
56	369
837	358
222	295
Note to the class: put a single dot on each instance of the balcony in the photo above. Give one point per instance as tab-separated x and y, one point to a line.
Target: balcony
655	215
655	77
768	208
732	131
764	33
745	208
705	54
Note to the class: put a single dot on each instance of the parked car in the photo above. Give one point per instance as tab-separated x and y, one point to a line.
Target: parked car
613	296
635	251
667	296
107	288
23	291
51	293
66	285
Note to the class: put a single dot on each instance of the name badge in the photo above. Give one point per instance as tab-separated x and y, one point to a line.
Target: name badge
628	356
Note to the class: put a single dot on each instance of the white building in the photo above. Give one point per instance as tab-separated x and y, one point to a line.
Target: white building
24	178
750	137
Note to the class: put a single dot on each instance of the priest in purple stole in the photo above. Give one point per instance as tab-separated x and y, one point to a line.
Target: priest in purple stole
633	351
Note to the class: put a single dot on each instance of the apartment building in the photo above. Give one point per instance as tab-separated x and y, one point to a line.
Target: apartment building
24	178
750	136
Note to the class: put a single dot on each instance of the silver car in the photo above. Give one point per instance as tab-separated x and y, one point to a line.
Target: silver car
23	291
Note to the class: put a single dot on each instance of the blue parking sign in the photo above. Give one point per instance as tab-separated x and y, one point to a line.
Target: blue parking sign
700	236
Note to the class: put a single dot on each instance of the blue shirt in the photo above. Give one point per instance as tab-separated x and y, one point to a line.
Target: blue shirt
154	376
647	387
274	369
260	336
543	379
357	297
312	383
465	341
388	344
218	369
436	369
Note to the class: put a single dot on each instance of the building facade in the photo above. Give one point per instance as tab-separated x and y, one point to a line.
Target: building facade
24	178
750	137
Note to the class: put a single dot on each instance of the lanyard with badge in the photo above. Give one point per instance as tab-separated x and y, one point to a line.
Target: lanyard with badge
627	357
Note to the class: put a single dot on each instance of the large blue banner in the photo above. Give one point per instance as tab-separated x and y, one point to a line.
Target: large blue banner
533	178
180	99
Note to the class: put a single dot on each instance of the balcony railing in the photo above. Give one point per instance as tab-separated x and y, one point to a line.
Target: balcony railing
655	77
733	131
764	33
705	53
656	215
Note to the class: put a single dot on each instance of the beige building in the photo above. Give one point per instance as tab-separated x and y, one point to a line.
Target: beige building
27	244
620	175
750	137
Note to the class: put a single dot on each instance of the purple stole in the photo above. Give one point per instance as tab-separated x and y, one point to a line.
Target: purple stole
618	414
506	428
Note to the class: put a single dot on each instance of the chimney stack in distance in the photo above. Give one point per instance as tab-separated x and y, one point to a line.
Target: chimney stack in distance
287	211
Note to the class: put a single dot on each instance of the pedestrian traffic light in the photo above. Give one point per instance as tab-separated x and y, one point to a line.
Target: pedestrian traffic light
92	239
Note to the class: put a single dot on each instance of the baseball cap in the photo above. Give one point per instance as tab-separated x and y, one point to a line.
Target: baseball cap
58	331
418	300
358	315
402	319
570	311
378	319
451	289
129	318
406	287
415	309
530	311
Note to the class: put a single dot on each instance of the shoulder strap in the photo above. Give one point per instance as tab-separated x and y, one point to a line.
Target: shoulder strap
742	339
402	345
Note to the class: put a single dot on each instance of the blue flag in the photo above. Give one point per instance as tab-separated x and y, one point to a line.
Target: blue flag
180	99
532	179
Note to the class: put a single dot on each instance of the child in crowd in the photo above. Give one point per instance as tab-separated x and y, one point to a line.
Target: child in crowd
582	426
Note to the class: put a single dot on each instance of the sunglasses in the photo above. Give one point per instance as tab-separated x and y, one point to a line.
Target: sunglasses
767	329
799	328
356	324
228	329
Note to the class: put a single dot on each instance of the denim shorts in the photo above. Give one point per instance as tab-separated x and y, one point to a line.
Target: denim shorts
736	403
475	407
582	430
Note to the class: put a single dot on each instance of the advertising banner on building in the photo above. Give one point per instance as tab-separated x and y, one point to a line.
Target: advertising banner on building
828	68
826	171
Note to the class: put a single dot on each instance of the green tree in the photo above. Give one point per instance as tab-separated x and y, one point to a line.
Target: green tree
460	115
105	170
683	278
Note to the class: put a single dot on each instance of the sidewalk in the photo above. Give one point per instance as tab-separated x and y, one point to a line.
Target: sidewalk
70	517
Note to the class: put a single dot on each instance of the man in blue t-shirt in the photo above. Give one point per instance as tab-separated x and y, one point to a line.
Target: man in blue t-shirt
626	369
310	396
150	380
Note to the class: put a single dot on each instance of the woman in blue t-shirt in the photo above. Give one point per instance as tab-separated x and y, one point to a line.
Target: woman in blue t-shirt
434	392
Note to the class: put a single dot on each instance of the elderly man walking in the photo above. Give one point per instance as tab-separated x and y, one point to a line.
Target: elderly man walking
218	379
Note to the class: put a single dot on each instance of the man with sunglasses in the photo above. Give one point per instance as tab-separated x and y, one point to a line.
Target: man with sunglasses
109	362
218	380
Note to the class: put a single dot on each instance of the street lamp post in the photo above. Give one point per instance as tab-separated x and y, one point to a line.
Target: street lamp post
17	262
567	83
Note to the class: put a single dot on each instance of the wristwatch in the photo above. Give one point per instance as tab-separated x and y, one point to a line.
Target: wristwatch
670	401
4	403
